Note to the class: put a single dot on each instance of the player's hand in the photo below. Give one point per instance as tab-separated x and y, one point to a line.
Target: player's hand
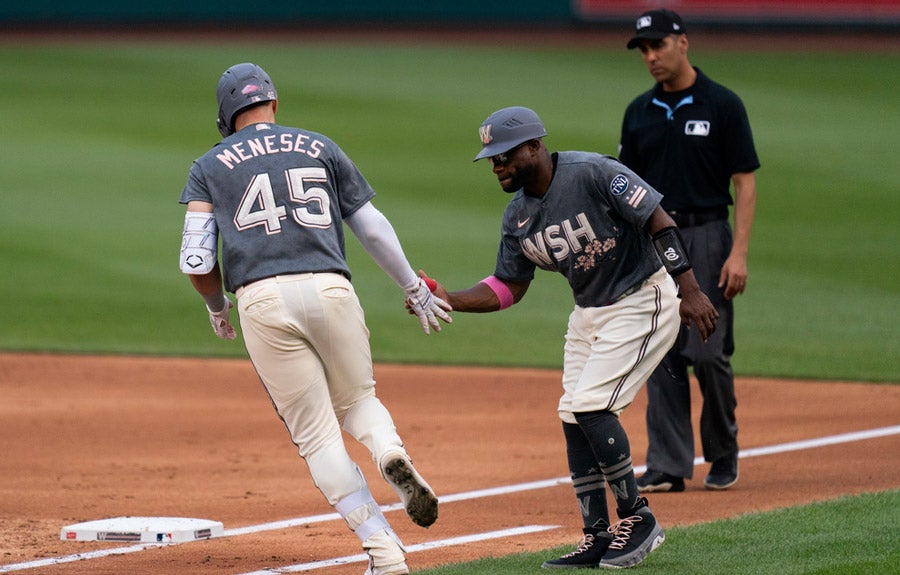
427	306
696	310
221	321
435	286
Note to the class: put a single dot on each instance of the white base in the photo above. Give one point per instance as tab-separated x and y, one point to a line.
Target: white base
143	530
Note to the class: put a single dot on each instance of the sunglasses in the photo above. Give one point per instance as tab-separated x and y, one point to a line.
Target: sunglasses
501	159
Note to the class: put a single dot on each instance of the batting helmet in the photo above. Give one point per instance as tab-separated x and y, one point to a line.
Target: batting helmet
241	86
507	128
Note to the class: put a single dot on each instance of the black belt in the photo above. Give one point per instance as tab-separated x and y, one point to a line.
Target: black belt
688	219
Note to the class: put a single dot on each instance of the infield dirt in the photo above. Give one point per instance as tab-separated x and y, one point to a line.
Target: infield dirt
87	438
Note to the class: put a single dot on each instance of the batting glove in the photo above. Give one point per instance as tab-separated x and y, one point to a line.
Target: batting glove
427	306
220	320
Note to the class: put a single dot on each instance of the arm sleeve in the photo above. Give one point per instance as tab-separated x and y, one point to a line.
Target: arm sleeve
377	236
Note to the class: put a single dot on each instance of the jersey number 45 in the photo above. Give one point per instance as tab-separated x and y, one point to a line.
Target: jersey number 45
259	207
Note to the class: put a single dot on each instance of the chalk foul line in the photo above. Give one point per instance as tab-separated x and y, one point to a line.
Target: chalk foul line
362	557
464	496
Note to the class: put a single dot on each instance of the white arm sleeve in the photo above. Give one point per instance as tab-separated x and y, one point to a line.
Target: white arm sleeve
199	244
377	236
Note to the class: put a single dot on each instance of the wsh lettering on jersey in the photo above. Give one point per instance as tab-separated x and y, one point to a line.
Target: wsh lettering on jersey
558	242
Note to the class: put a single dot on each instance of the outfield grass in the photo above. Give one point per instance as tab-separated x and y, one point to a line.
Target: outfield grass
849	536
99	138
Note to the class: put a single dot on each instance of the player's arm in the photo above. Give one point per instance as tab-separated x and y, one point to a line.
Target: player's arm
695	308
734	271
490	294
199	260
377	236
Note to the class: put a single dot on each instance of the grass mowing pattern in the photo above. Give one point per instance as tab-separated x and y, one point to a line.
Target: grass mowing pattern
101	135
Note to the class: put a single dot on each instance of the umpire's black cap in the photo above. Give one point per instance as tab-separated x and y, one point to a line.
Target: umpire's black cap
656	25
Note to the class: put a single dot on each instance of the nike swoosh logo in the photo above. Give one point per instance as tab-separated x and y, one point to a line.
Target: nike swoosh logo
522	222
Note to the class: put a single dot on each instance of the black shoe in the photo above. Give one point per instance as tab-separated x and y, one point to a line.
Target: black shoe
723	473
635	537
659	481
588	554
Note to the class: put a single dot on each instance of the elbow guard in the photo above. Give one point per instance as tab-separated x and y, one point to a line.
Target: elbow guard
670	247
199	244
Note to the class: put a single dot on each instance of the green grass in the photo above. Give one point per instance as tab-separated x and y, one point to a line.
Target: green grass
99	138
848	536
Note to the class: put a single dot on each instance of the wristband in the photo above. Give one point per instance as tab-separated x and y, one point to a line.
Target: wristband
217	300
500	289
671	251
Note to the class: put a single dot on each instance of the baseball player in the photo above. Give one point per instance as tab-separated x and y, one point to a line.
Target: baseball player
593	220
276	197
690	137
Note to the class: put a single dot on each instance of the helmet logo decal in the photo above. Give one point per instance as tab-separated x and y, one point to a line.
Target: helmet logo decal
485	132
250	88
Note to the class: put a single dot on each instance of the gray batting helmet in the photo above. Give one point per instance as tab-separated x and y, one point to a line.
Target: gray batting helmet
507	128
241	86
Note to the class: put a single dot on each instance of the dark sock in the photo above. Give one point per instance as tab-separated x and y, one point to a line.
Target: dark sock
587	479
610	445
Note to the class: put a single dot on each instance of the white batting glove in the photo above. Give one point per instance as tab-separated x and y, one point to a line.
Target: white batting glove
428	307
220	320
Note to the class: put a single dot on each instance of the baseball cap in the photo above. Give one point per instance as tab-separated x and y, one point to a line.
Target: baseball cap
656	25
507	128
239	87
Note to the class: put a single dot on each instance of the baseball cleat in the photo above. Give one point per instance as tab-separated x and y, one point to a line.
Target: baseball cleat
418	499
634	538
587	555
396	569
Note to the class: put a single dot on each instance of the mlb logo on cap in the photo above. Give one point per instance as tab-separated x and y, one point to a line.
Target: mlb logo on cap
656	25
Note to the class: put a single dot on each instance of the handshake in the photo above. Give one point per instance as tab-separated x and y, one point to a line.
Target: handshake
422	301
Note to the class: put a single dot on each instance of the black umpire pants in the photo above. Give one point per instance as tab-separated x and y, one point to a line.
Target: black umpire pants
669	427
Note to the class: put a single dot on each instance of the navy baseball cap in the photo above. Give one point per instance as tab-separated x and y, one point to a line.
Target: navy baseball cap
507	128
656	25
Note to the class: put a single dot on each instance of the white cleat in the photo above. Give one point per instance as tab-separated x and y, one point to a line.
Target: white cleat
395	569
418	499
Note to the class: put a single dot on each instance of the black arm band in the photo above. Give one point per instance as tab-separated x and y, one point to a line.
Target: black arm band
671	251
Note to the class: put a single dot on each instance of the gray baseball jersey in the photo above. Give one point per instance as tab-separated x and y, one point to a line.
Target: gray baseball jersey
588	226
279	195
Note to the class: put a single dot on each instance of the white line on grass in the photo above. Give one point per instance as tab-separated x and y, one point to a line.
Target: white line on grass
468	495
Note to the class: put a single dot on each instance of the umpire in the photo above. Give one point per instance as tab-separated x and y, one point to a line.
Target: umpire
690	138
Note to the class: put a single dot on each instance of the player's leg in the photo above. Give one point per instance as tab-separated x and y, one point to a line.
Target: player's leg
587	478
628	339
590	491
347	358
637	532
273	322
633	336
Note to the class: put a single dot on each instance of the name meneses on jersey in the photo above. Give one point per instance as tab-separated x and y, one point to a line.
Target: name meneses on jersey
250	148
